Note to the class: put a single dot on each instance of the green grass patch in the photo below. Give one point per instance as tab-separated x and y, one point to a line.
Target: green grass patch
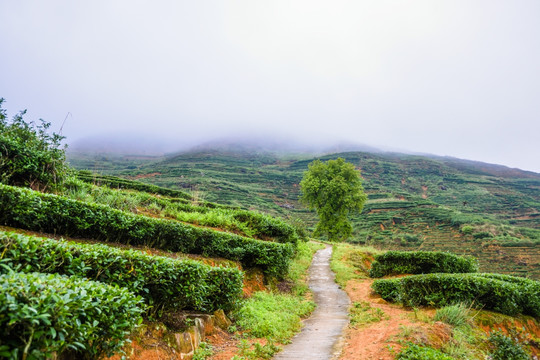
272	315
348	262
300	265
455	315
362	313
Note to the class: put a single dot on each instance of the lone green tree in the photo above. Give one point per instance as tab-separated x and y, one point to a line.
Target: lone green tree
334	190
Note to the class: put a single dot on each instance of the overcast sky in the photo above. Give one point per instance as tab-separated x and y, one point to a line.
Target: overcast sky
458	78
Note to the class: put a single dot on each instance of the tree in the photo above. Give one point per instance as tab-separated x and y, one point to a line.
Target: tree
334	190
29	156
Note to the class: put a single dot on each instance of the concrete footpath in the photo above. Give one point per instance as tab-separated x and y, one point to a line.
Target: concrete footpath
321	336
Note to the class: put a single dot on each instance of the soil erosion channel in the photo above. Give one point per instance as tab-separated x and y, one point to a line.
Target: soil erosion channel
322	332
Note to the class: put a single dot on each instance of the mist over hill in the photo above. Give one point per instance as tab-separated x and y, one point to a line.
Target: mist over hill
137	144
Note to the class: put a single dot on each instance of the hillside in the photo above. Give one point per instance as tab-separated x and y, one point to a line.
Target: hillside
414	201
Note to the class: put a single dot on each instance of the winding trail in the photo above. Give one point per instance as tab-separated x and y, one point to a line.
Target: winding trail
322	333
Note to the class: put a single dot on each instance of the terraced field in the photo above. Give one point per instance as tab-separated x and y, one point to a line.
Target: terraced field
414	201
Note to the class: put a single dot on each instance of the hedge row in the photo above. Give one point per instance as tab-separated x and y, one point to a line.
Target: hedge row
502	293
50	213
268	226
261	224
43	314
421	262
119	183
164	283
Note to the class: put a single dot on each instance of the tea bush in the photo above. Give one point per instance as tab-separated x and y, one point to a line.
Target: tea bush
164	283
45	314
421	262
119	183
29	156
505	294
250	223
50	213
505	347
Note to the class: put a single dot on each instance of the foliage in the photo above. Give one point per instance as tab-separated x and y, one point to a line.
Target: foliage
256	351
389	289
248	223
119	183
43	314
490	291
455	315
421	262
29	156
203	352
164	283
299	267
270	315
350	262
362	313
333	189
50	213
506	347
416	352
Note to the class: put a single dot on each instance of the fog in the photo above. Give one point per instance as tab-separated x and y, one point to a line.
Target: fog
457	78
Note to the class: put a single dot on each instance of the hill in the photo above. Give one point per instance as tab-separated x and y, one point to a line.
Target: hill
415	201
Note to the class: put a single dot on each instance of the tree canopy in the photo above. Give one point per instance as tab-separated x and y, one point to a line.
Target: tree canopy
334	190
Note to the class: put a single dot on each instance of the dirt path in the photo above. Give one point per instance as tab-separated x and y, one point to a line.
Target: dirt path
378	340
320	337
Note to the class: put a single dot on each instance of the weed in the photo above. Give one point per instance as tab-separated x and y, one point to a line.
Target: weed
362	313
273	315
203	352
455	315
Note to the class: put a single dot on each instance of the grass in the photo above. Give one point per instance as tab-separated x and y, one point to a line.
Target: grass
299	266
362	313
272	315
455	315
349	262
277	316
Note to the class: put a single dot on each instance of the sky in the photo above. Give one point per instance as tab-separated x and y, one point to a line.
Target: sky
458	78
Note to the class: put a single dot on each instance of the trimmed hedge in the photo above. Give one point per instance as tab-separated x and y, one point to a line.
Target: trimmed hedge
259	224
33	210
120	183
164	283
502	293
51	313
268	226
421	262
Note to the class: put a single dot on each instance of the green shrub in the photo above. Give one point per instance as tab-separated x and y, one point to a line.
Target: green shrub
482	290
415	352
50	213
164	283
43	314
467	229
505	347
420	262
29	156
389	289
482	235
